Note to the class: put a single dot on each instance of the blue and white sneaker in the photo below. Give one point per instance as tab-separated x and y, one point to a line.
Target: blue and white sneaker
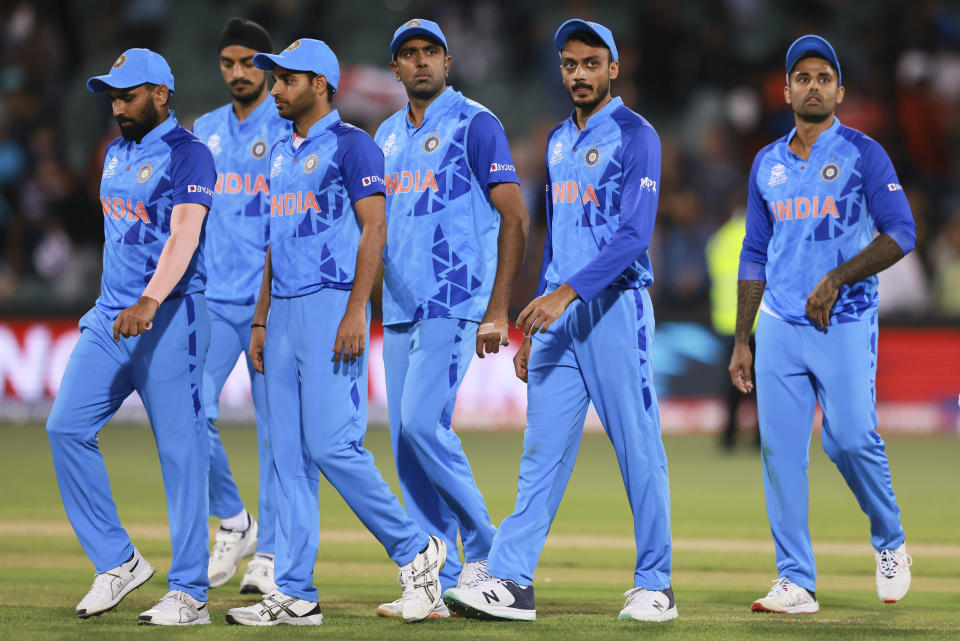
493	600
648	605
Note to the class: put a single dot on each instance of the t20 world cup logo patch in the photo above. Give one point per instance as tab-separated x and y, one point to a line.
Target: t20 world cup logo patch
259	149
592	157
310	164
830	172
430	144
144	173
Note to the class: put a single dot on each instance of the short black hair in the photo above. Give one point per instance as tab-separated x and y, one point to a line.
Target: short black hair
814	54
591	40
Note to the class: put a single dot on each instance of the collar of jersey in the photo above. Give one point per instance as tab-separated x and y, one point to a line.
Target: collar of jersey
439	105
824	136
318	127
259	113
159	131
596	118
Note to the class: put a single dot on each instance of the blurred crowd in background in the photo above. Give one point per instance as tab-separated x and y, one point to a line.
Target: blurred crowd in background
708	74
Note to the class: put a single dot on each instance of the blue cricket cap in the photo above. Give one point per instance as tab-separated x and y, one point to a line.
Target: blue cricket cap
417	27
568	27
305	54
134	67
811	44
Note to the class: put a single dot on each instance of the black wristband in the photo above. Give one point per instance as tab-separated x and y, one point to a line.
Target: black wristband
252	325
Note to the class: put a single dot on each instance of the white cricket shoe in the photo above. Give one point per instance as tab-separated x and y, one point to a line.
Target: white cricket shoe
494	600
258	578
229	547
786	597
473	572
176	608
275	609
648	605
393	610
111	586
893	573
420	580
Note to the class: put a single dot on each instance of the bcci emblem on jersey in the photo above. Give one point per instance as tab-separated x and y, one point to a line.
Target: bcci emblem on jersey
592	157
778	175
830	172
310	164
143	175
430	144
259	149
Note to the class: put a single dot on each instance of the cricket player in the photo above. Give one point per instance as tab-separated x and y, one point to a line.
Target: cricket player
240	135
157	186
809	263
327	231
456	233
589	338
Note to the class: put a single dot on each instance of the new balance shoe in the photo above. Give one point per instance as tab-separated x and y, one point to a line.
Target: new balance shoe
494	600
473	572
420	580
275	609
393	610
110	587
258	578
648	605
229	547
893	573
176	608
786	597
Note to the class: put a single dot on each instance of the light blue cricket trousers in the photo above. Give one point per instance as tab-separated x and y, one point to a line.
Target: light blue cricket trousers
164	366
425	362
596	351
317	413
797	365
229	337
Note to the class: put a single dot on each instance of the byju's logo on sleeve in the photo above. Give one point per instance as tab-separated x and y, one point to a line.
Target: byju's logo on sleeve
369	180
495	166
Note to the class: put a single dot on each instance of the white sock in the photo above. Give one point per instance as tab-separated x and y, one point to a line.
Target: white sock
240	521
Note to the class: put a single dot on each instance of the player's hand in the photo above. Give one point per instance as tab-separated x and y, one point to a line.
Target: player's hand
740	363
351	336
136	319
821	299
543	310
522	358
258	336
492	334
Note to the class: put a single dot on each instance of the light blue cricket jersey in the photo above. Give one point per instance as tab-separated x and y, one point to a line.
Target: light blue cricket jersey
238	226
314	231
601	202
441	255
141	184
806	217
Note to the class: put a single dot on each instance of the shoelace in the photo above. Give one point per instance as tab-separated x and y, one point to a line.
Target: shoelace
890	562
779	586
480	574
410	584
260	566
639	596
221	547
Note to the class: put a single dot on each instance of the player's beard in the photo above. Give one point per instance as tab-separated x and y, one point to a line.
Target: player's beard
814	114
137	128
245	95
588	105
426	90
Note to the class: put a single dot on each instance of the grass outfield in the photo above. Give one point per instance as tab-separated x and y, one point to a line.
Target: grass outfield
723	558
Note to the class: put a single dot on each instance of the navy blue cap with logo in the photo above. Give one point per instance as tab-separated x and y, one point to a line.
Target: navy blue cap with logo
417	27
570	26
811	44
134	67
305	54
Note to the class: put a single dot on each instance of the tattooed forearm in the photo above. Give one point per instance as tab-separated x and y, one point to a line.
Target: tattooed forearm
875	257
749	295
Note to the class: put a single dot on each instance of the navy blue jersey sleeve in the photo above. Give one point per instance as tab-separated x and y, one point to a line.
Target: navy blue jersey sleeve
361	165
193	174
753	255
886	201
547	240
638	211
489	152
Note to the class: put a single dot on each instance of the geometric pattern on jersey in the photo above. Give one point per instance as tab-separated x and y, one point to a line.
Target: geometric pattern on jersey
141	184
441	255
806	217
238	225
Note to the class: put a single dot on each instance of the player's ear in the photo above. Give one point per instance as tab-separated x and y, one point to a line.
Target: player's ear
161	95
614	69
320	85
841	90
786	94
395	68
446	66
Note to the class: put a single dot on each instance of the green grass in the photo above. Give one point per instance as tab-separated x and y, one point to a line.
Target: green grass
722	561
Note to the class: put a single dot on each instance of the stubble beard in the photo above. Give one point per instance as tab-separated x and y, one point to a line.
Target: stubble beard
137	129
589	105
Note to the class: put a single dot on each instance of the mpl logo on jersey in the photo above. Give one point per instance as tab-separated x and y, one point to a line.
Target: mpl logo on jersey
117	208
300	202
230	183
801	207
402	182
